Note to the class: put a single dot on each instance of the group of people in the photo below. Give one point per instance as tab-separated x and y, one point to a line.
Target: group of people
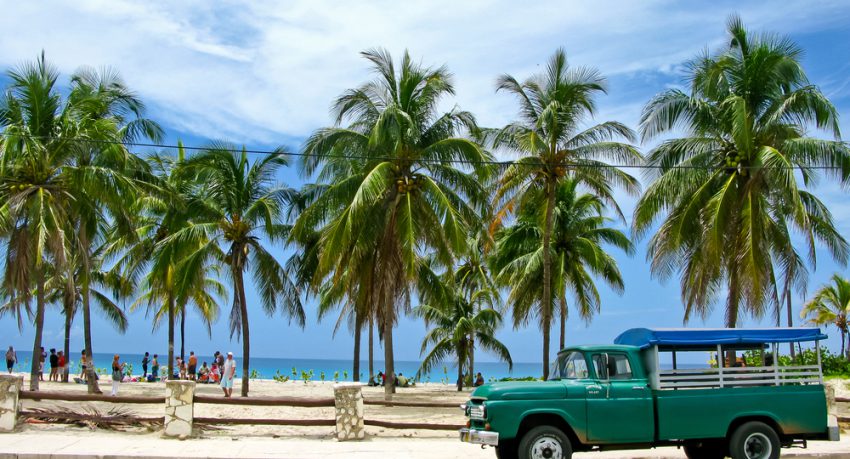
222	371
381	379
57	360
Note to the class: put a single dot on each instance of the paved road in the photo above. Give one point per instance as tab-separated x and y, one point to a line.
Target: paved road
62	445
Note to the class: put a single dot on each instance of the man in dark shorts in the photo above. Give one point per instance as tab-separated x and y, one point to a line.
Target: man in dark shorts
193	365
41	359
11	359
54	366
145	361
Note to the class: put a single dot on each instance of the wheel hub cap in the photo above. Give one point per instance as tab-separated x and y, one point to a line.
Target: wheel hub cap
546	448
757	446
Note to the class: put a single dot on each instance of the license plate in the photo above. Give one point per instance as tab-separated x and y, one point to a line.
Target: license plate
466	437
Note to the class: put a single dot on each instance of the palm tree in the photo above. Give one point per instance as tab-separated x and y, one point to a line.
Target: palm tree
728	189
150	262
580	231
102	98
402	194
242	206
41	181
456	322
65	290
553	145
831	305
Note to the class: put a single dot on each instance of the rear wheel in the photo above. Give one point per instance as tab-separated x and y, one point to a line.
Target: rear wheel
754	440
545	442
705	449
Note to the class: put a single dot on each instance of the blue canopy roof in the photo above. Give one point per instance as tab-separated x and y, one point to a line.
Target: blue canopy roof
694	337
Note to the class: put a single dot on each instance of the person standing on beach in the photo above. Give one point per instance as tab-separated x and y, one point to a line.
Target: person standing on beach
145	361
228	374
83	374
41	359
193	365
11	359
155	368
117	374
219	359
60	360
54	366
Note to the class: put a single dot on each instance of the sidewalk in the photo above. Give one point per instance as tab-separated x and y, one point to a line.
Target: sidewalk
116	445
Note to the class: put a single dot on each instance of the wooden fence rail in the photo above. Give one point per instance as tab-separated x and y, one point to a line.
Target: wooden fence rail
72	397
411	404
267	401
269	422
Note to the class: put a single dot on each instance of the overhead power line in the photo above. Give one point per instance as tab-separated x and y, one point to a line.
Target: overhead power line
391	158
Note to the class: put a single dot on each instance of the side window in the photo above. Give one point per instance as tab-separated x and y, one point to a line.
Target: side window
575	367
612	366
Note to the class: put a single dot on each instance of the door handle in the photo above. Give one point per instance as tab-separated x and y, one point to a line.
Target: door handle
638	387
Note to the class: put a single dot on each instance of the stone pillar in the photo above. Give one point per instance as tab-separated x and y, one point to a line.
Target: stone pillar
830	398
179	408
10	389
348	401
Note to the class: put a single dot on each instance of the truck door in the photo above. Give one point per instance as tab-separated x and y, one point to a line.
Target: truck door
619	407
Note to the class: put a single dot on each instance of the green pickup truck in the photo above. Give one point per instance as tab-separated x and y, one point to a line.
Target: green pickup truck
634	394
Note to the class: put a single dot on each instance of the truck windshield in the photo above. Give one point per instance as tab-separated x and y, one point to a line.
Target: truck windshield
570	366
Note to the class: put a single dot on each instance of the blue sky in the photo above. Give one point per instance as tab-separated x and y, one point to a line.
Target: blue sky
264	73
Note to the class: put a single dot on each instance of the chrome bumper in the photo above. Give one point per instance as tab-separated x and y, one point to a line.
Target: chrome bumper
479	437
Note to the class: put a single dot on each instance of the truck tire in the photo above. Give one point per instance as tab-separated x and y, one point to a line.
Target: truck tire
754	440
545	442
705	449
506	450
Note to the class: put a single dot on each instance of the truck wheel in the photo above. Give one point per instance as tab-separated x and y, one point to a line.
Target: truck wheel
506	450
754	440
545	442
705	449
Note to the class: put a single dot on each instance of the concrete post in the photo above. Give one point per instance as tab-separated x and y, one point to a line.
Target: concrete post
10	389
179	408
348	401
830	398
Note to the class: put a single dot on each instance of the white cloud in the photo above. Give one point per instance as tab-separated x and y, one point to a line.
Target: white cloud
262	70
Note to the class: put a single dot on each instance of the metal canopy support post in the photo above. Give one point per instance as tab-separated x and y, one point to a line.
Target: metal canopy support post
674	358
720	363
655	374
820	368
776	363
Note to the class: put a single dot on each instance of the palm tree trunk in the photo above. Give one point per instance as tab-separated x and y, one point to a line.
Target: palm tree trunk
843	334
355	367
183	334
39	328
789	317
732	304
69	316
460	360
91	373
246	340
171	314
472	357
371	348
389	367
563	315
546	304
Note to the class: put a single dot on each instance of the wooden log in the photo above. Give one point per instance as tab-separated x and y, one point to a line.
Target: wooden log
411	404
411	425
270	422
74	397
89	417
267	401
842	399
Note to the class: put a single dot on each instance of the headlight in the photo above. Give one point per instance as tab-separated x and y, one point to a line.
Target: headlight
477	412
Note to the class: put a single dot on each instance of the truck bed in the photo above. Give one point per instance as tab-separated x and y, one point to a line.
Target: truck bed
798	410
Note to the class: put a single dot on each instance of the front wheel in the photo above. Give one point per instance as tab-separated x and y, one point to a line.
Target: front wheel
545	442
754	440
506	450
705	449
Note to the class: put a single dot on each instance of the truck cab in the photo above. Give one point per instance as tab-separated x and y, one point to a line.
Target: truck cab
622	396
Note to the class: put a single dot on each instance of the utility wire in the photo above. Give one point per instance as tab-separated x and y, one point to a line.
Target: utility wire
390	158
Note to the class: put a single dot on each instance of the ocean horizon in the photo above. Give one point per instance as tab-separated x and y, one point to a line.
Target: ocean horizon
333	369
